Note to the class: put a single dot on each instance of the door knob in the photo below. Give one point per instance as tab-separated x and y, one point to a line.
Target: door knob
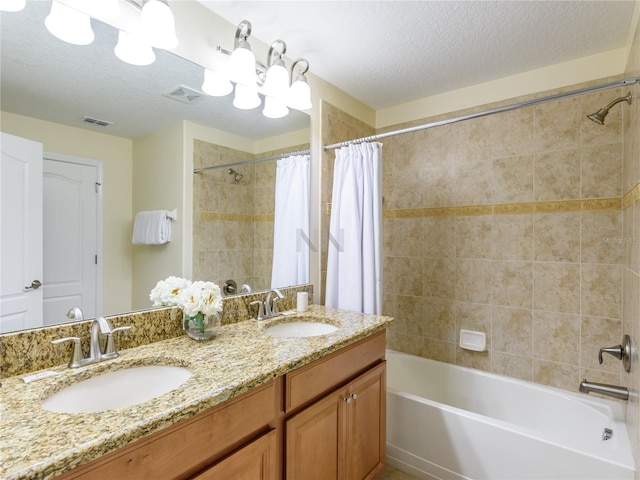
36	284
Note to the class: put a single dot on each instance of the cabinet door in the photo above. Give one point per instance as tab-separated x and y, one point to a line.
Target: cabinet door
365	448
256	461
314	440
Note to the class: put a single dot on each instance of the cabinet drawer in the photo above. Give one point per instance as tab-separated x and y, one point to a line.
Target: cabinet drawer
187	447
317	378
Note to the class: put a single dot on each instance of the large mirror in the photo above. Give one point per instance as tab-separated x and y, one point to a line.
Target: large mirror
48	86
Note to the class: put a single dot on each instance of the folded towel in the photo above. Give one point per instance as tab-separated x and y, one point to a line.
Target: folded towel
151	228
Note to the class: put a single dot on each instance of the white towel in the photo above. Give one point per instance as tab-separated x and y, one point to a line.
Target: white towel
151	228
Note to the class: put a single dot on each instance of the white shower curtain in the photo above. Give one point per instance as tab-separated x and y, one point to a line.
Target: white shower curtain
291	222
354	264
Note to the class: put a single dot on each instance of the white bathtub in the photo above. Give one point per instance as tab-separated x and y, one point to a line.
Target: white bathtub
450	422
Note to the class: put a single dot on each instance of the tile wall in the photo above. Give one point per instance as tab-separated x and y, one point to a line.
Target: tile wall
510	225
233	221
631	243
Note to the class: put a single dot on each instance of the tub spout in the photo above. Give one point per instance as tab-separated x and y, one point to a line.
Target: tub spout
615	391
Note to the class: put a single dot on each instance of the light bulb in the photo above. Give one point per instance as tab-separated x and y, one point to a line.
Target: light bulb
276	82
216	84
300	94
245	98
158	25
133	50
69	25
12	5
242	64
274	108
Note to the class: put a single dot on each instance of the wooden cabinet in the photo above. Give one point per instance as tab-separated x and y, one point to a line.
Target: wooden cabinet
256	461
325	420
189	446
342	435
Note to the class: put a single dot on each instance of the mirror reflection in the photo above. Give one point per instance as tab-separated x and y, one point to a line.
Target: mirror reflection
48	87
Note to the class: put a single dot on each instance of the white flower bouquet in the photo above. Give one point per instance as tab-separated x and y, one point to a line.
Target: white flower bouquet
199	301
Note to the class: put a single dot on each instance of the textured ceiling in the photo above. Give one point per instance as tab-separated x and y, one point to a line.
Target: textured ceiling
46	78
386	53
382	52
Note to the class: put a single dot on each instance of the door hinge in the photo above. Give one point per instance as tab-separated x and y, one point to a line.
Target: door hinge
98	185
96	259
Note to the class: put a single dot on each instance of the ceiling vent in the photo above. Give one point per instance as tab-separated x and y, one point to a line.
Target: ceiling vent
95	121
184	94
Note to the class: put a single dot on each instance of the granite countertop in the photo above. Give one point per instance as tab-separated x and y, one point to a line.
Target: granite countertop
38	444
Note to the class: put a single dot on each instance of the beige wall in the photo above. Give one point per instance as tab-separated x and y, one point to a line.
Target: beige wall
158	176
509	225
117	157
630	240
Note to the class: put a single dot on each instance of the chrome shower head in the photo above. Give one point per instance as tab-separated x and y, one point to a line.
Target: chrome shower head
236	176
600	115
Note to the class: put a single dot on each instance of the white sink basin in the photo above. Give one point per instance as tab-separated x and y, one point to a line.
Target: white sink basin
117	389
301	329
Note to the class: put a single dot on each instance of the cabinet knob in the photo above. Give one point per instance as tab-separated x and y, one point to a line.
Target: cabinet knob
348	400
354	396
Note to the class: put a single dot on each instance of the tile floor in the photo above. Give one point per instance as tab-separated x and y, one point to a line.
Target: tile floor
392	473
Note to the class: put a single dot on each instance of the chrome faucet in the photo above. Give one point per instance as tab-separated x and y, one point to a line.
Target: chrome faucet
271	308
268	308
96	354
615	391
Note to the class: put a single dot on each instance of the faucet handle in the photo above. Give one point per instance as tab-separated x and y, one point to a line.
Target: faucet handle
77	355
621	352
260	314
274	309
110	349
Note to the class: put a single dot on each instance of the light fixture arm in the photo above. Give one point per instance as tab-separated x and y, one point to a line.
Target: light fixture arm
278	48
242	32
302	65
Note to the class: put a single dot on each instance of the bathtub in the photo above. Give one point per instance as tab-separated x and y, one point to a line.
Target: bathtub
449	422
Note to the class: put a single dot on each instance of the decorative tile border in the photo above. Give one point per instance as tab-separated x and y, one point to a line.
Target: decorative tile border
560	206
631	197
236	217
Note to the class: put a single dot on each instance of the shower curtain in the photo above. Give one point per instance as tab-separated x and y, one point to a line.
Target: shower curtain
291	222
354	264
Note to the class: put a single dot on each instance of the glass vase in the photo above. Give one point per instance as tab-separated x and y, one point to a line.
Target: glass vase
201	327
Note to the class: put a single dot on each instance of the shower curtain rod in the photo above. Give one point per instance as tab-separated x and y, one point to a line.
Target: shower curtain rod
253	160
484	113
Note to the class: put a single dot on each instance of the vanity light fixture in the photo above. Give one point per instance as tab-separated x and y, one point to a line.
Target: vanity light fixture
69	24
281	88
134	50
158	25
12	5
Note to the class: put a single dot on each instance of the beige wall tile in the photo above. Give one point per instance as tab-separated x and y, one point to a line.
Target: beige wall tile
556	375
556	287
408	276
473	280
515	366
512	179
557	237
556	175
602	290
439	321
408	237
439	237
512	331
601	237
473	184
474	237
602	171
438	350
556	125
513	284
409	315
439	277
553	333
513	237
512	133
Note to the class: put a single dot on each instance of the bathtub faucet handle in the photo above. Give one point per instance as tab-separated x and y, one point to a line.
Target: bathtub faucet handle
621	352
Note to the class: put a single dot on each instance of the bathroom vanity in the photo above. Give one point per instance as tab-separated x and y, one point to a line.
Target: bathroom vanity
256	406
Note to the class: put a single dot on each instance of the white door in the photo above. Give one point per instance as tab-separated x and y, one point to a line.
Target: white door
70	193
20	233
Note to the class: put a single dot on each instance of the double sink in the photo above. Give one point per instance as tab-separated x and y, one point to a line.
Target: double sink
130	386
